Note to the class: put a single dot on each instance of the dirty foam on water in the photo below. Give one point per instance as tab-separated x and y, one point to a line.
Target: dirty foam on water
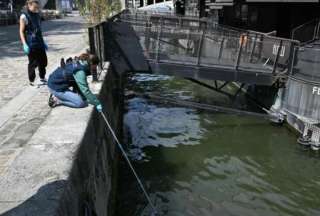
199	163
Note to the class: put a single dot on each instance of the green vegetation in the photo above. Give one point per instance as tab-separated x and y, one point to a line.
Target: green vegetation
98	10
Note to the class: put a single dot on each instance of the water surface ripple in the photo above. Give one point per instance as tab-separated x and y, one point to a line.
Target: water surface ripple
198	163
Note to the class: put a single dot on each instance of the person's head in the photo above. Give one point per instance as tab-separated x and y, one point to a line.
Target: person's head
33	5
92	61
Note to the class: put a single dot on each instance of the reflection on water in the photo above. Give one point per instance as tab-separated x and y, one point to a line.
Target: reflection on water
155	126
199	163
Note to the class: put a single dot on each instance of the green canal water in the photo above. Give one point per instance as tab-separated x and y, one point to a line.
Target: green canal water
197	163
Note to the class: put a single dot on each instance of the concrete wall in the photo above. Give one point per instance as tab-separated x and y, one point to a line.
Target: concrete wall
91	185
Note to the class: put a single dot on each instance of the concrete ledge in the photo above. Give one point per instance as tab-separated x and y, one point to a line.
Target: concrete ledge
35	180
66	168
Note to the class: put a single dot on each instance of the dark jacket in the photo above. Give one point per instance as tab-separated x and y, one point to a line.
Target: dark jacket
62	78
33	32
72	75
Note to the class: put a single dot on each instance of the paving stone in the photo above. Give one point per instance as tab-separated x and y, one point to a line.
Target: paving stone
21	126
13	63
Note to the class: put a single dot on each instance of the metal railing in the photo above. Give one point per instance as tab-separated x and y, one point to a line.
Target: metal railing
307	32
198	42
307	64
8	18
97	42
201	43
143	18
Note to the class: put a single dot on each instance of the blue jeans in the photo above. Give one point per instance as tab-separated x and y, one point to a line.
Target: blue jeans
69	98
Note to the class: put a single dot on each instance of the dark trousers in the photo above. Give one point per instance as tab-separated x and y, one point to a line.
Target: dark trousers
37	58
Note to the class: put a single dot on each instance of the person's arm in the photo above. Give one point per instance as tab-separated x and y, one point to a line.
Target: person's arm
22	28
81	80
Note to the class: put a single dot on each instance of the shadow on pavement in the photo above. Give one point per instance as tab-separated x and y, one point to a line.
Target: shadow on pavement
10	45
44	202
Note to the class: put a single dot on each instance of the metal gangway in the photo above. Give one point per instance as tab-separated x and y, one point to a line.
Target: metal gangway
195	48
198	49
307	33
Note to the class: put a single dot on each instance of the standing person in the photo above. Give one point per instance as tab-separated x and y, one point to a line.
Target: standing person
10	6
73	74
32	41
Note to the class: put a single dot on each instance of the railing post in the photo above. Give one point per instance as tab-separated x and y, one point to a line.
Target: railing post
260	46
200	48
239	52
188	40
318	30
134	4
315	31
91	40
277	58
158	41
293	51
101	38
253	47
147	36
136	16
98	53
221	48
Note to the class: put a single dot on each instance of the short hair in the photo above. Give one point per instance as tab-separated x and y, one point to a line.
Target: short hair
31	1
90	58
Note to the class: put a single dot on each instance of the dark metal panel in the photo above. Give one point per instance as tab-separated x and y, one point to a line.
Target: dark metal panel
91	40
123	38
277	48
113	53
307	63
225	74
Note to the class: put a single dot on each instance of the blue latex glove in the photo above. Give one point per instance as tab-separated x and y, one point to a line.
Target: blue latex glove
99	108
45	46
26	49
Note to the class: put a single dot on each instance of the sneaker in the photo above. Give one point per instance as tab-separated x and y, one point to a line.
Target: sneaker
31	83
52	101
44	80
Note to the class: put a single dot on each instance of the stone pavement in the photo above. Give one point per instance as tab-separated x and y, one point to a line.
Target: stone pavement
64	37
23	109
20	104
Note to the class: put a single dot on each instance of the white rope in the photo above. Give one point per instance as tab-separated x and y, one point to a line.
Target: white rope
130	165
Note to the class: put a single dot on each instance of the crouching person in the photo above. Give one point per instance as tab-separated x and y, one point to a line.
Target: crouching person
68	83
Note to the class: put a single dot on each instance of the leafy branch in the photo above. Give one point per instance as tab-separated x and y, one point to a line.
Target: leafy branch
98	10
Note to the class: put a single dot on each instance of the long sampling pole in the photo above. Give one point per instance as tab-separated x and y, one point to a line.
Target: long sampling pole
130	164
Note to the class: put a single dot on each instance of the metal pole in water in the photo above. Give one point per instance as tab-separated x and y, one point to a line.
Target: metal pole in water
154	210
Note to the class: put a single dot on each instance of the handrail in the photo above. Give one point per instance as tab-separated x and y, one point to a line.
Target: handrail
304	24
204	20
95	39
316	30
234	49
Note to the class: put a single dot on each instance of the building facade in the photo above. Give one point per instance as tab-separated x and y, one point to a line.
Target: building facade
260	15
270	15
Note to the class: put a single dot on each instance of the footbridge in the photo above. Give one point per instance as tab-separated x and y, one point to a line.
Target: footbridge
199	49
192	48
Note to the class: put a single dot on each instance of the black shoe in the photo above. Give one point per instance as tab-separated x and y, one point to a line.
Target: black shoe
44	80
52	103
